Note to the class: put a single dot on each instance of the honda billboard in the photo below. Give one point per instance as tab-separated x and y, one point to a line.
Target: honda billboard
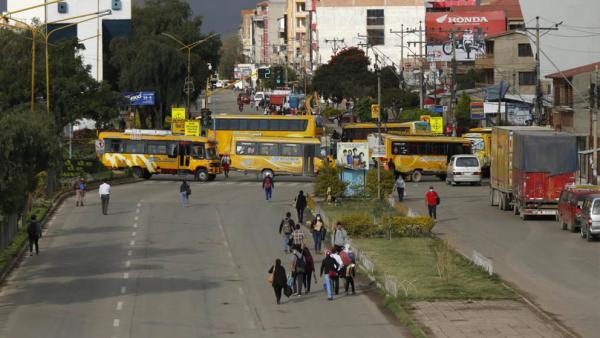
450	3
470	29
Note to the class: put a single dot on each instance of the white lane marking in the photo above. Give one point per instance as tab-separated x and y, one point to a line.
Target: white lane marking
126	275
137	211
119	306
129	253
136	218
135	225
132	243
128	263
123	290
241	291
133	234
116	322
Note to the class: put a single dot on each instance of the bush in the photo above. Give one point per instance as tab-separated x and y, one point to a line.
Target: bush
387	182
361	225
329	177
330	112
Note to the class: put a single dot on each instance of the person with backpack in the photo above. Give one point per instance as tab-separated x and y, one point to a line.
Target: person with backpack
79	187
297	236
286	227
185	191
432	200
268	186
298	268
317	226
310	268
328	270
34	232
300	206
277	279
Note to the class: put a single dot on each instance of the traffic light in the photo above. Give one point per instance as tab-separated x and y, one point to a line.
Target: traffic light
278	75
206	116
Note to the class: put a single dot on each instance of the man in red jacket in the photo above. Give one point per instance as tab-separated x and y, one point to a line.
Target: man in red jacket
432	199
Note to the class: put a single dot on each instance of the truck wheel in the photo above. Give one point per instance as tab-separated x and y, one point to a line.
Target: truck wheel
138	172
147	175
201	175
416	176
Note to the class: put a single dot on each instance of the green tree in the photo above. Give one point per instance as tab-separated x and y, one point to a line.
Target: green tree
470	79
389	77
230	55
329	177
362	109
149	60
463	111
386	182
397	99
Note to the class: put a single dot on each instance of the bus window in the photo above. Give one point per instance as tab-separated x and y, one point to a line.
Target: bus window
156	148
417	148
290	149
253	124
172	146
437	149
133	147
243	124
245	148
268	149
400	148
198	150
263	124
113	146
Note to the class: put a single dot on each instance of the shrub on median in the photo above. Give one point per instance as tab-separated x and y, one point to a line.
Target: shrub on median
362	225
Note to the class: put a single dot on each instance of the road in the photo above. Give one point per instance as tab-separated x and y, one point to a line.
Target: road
153	268
224	101
556	269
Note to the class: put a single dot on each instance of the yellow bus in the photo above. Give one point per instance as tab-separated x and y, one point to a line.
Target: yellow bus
415	156
481	140
276	155
357	132
149	152
226	126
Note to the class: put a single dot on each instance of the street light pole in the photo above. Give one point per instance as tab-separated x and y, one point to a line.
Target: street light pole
379	133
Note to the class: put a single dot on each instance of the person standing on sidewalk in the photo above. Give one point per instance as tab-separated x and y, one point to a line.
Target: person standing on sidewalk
399	185
104	191
278	279
34	232
300	206
432	200
184	192
79	187
268	186
310	269
316	228
328	269
339	238
286	227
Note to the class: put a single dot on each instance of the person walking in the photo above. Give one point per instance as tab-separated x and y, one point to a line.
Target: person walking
34	232
310	269
316	228
335	254
339	238
349	273
399	185
278	279
268	186
286	227
298	266
184	192
298	236
79	187
300	206
328	270
104	191
226	163
432	200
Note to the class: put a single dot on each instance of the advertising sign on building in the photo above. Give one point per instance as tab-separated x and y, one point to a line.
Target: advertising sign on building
140	98
376	147
178	127
470	30
192	128
353	155
477	111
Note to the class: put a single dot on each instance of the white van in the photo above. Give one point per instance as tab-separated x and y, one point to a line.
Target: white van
463	169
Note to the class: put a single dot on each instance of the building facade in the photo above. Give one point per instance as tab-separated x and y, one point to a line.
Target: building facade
301	28
94	34
267	33
247	34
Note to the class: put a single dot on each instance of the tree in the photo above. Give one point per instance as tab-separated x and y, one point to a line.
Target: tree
346	75
149	60
386	182
230	55
397	99
463	111
389	77
470	79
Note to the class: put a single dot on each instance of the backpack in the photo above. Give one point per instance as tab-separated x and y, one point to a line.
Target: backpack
32	228
300	266
288	226
437	199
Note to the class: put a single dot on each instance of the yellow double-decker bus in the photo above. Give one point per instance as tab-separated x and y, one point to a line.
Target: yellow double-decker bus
227	126
149	152
276	155
415	156
358	132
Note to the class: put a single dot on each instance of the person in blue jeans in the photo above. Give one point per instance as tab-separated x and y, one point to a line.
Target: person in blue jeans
329	269
268	186
316	228
286	227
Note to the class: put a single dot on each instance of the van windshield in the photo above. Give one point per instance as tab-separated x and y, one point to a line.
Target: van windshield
467	162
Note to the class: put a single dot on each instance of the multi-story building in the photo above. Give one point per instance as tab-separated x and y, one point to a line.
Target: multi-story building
345	23
301	34
94	34
247	34
267	38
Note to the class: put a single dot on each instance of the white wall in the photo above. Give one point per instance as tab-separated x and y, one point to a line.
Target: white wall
347	22
570	46
85	30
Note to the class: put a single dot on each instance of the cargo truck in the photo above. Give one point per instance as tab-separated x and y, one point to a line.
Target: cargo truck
530	167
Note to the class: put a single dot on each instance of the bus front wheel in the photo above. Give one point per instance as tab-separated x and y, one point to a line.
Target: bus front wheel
416	176
138	172
201	175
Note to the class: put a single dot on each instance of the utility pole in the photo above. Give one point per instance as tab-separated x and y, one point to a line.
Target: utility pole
420	57
334	41
538	85
378	132
401	33
594	105
451	114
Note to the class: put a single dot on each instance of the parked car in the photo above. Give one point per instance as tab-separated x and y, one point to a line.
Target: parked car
570	204
590	217
463	169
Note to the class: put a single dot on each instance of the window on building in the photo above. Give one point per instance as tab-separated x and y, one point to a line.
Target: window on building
300	7
525	50
375	17
375	37
301	22
527	78
375	27
489	48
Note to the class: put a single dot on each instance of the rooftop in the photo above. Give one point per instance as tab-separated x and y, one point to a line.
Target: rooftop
512	8
574	71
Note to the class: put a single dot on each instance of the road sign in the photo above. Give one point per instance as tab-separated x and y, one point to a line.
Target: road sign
477	111
177	113
374	111
178	127
192	128
437	124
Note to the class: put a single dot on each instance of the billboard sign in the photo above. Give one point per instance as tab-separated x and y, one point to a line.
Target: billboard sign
477	111
140	98
450	3
353	155
471	28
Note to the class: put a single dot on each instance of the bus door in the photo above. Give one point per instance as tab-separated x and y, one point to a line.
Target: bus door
308	160
185	151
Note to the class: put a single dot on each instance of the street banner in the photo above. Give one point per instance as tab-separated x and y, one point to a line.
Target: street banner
477	111
353	155
374	111
192	128
376	147
177	113
437	124
147	98
178	127
471	28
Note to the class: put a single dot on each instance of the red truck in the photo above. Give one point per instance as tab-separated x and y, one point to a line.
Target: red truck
539	164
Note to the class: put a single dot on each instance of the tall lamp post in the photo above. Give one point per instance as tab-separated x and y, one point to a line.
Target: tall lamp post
189	83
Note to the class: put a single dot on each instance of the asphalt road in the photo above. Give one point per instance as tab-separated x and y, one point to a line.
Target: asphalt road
555	268
153	268
224	101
